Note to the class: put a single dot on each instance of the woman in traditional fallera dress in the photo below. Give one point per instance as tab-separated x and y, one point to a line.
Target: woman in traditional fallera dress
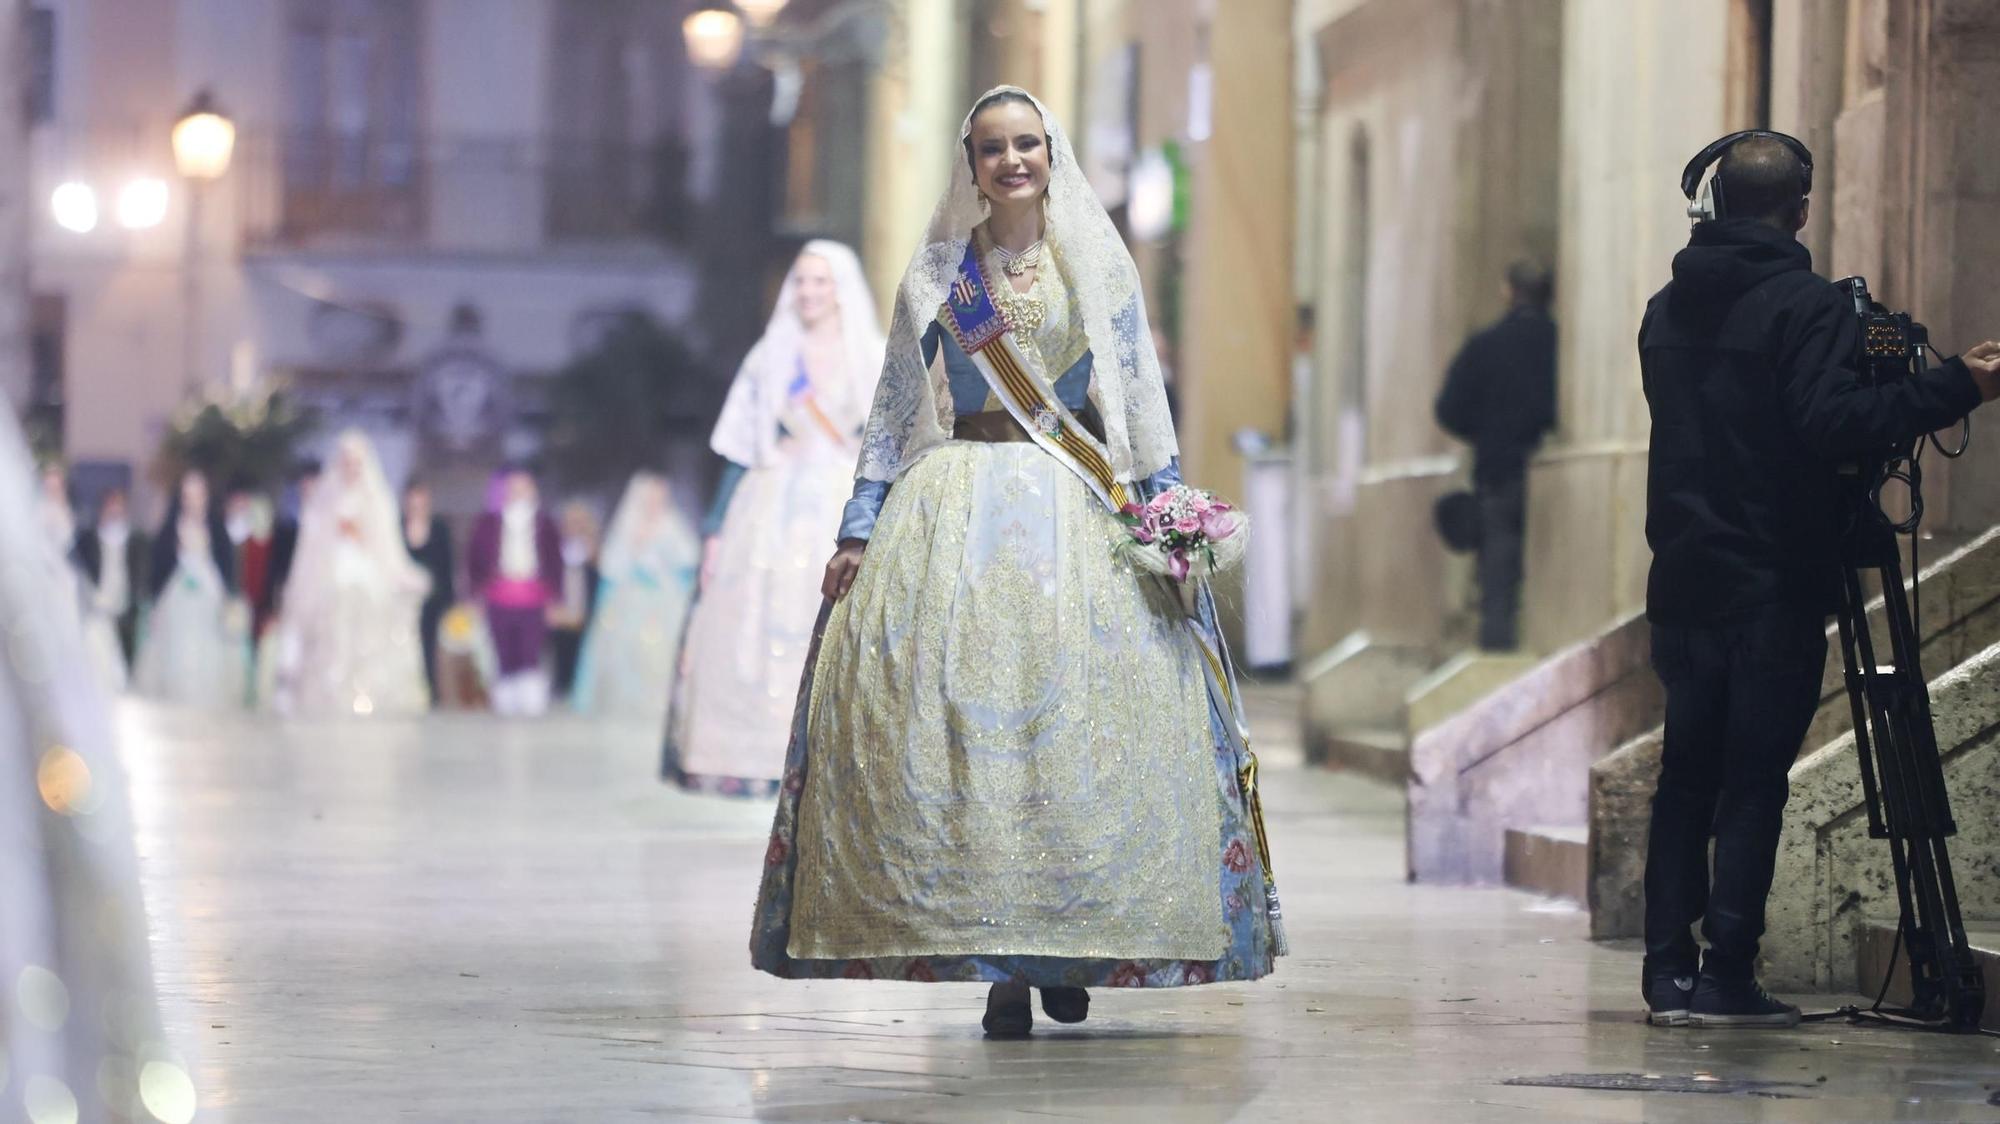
1016	759
348	638
645	577
789	430
197	635
80	1031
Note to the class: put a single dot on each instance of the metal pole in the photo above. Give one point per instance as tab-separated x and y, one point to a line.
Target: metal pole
191	303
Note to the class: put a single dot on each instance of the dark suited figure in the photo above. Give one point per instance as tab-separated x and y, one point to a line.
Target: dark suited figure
428	539
117	558
1500	397
1750	367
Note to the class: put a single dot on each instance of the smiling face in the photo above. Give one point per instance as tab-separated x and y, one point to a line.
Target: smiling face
813	291
194	493
1010	153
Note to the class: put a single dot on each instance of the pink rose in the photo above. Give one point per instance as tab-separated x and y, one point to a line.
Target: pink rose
1218	524
1188	524
1128	974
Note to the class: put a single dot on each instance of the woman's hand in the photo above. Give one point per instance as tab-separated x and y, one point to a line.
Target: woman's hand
840	572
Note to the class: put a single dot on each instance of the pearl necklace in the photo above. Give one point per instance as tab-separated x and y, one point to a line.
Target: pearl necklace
1019	264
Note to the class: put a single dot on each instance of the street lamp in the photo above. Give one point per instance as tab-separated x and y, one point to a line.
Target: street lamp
204	139
762	13
714	38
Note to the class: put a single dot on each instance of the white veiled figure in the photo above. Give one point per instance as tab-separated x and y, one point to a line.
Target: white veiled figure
645	580
80	1035
790	433
348	640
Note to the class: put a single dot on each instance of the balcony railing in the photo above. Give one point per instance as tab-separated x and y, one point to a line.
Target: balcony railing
326	190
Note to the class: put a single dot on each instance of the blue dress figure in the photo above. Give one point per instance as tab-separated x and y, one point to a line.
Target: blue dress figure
645	579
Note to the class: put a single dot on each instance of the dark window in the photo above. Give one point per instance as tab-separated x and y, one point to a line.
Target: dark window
353	112
617	107
41	65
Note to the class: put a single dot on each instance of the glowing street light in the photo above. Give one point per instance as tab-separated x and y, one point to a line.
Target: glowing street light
714	38
142	204
75	207
204	139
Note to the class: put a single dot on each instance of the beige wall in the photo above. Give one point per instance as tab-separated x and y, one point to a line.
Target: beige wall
1645	87
1453	105
1235	351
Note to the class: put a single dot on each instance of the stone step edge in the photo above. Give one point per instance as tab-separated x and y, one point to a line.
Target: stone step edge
1878	938
1551	860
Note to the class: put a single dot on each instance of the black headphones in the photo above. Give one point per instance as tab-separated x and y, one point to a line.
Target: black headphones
1713	206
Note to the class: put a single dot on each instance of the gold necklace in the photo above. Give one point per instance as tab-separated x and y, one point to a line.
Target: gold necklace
1025	312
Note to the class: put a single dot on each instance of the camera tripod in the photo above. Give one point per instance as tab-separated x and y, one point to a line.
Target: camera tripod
1902	781
1902	776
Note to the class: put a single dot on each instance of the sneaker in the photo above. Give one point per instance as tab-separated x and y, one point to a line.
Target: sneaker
1667	996
1738	1003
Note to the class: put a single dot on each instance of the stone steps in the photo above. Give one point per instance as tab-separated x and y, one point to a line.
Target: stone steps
1832	879
1380	752
1878	940
1354	714
1520	756
1959	617
1553	861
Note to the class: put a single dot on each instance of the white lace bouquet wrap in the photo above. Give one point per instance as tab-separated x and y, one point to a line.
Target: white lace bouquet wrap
1184	533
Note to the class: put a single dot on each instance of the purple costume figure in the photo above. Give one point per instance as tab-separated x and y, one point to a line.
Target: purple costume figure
515	564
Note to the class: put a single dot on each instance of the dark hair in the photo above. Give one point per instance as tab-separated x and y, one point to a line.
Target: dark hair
997	97
1531	282
1762	178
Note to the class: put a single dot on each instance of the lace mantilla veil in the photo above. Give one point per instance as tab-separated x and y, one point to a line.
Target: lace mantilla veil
746	432
913	411
370	504
646	512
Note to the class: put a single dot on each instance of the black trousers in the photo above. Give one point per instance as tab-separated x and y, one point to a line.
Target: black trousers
1740	697
1503	511
427	625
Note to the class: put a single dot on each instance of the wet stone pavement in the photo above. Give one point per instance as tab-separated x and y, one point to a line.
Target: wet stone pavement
462	920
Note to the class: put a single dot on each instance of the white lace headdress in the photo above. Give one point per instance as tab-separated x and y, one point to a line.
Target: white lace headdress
366	503
646	522
747	431
913	411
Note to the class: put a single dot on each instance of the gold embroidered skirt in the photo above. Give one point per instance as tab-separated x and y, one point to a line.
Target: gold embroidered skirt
1009	736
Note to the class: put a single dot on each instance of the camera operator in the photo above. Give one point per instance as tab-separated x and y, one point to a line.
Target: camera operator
1751	369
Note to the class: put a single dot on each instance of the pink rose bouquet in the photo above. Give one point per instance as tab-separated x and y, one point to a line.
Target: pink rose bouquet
1184	532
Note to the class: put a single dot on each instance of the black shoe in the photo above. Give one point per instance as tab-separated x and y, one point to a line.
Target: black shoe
1667	995
1066	1004
1008	1020
1738	1003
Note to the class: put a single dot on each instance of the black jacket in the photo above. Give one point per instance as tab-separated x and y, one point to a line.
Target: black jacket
1750	363
167	550
1500	394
